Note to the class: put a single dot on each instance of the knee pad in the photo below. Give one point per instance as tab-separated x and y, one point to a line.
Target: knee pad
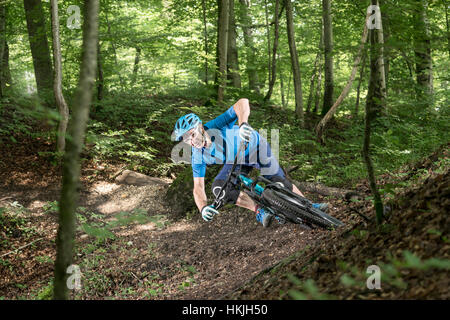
229	195
283	180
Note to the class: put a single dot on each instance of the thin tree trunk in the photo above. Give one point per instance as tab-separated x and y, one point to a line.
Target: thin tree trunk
375	102
222	42
250	47
314	74
294	61
269	68
328	45
205	35
447	24
283	99
289	88
422	49
360	80
113	46
2	45
57	80
74	144
318	90
387	49
274	54
321	125
6	74
232	59
40	52
136	63
100	79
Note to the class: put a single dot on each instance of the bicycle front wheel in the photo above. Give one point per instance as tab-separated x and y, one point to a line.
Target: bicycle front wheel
280	202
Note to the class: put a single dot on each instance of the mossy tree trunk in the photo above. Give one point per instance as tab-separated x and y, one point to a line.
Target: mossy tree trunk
375	102
74	145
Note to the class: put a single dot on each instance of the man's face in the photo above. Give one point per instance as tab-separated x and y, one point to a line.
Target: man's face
197	137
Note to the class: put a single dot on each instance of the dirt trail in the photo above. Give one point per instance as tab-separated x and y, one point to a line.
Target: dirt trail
185	259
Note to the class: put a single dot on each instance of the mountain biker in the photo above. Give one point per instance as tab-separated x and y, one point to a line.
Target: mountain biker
215	142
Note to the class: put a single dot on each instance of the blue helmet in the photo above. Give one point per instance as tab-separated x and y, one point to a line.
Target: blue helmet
184	124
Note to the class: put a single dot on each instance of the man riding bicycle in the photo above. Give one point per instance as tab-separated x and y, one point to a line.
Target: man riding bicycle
216	142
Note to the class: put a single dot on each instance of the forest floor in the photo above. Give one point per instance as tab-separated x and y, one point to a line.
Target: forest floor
127	248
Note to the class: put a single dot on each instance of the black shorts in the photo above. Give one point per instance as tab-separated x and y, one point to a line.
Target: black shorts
231	192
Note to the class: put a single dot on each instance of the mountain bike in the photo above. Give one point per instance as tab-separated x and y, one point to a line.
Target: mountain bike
282	203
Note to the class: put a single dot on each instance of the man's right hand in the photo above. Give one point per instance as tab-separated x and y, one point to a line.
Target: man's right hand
208	212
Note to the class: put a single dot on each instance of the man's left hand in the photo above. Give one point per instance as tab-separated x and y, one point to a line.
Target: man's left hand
245	131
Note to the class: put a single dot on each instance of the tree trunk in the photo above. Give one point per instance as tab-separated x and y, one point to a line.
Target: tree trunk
40	52
250	47
360	80
57	80
2	45
269	68
100	80
113	46
318	90
222	43
328	53
422	50
137	58
274	54
314	74
205	35
232	53
5	75
74	145
386	36
448	26
294	61
321	125
283	99
375	102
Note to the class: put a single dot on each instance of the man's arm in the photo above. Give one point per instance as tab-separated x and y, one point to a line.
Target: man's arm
199	193
242	109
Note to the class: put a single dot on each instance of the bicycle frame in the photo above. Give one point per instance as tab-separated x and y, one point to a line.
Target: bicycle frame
255	191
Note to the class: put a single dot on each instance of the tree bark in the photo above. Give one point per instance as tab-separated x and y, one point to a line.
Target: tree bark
360	80
283	99
74	145
422	50
269	67
40	52
222	47
6	72
318	89
328	53
2	45
253	81
448	26
100	79
375	102
274	54
137	59
205	35
232	52
387	49
113	46
57	80
314	75
321	125
294	61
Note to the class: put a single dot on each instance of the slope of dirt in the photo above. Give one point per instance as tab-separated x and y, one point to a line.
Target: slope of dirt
411	249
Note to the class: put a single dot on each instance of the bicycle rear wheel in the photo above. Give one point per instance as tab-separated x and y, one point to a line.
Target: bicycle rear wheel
279	202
